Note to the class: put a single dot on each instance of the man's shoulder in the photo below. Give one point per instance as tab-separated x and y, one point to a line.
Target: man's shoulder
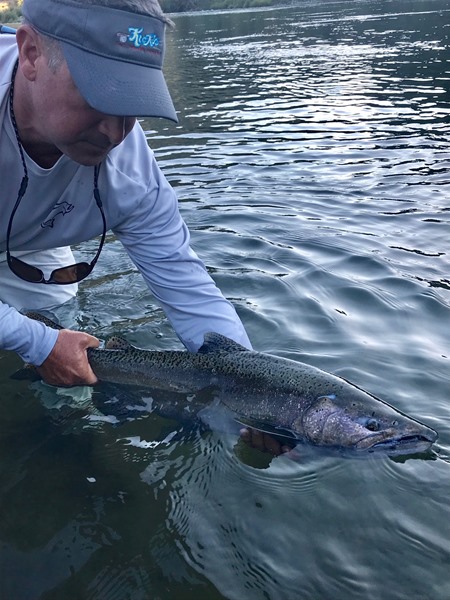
8	56
133	156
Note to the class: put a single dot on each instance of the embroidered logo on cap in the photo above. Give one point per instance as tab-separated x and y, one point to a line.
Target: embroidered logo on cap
137	39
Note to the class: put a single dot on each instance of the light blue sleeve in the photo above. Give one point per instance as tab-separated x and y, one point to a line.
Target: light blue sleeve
158	242
32	340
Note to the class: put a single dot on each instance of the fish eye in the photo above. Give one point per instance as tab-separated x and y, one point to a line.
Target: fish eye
372	425
394	423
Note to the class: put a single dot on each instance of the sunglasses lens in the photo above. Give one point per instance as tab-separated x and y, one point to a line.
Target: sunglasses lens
25	271
71	274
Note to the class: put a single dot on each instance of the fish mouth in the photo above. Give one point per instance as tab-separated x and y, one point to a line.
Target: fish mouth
405	444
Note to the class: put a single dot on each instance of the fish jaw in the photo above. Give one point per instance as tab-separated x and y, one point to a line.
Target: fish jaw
329	423
414	439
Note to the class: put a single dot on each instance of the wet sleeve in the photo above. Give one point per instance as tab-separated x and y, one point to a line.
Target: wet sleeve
33	341
158	242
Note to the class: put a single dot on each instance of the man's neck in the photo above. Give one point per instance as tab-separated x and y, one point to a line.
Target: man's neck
43	154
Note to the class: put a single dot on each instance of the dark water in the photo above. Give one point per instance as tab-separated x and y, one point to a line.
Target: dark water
312	163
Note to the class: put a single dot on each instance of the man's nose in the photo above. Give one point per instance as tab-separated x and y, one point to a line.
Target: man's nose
116	128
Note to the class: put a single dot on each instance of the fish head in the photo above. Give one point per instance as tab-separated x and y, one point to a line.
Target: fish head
363	423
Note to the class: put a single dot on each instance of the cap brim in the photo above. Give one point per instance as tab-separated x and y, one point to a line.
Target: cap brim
119	88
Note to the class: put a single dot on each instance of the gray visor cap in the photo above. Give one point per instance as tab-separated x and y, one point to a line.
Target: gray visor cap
114	56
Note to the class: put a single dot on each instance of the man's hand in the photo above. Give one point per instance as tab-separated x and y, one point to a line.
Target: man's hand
263	442
67	363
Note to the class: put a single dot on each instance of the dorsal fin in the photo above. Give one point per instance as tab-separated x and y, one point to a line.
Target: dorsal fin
115	342
216	342
38	317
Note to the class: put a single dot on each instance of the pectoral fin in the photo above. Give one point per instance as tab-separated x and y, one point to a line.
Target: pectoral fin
276	432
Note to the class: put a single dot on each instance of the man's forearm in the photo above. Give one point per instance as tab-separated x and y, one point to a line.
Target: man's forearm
32	340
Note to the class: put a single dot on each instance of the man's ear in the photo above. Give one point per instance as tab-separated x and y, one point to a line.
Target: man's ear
30	50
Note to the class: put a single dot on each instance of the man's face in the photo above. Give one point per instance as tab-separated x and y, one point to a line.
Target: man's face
64	120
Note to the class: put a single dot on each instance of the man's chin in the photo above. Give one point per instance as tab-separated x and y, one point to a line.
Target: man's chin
89	156
89	159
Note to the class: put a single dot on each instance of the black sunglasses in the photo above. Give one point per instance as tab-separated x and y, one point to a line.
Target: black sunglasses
63	275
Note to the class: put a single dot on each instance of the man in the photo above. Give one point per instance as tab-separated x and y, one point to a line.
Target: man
74	162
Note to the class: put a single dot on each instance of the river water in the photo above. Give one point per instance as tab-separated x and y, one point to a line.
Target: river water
312	165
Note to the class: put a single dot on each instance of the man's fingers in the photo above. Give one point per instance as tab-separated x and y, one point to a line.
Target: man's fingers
262	441
258	440
245	434
271	445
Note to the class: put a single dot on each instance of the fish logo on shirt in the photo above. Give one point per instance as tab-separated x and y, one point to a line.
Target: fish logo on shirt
60	208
